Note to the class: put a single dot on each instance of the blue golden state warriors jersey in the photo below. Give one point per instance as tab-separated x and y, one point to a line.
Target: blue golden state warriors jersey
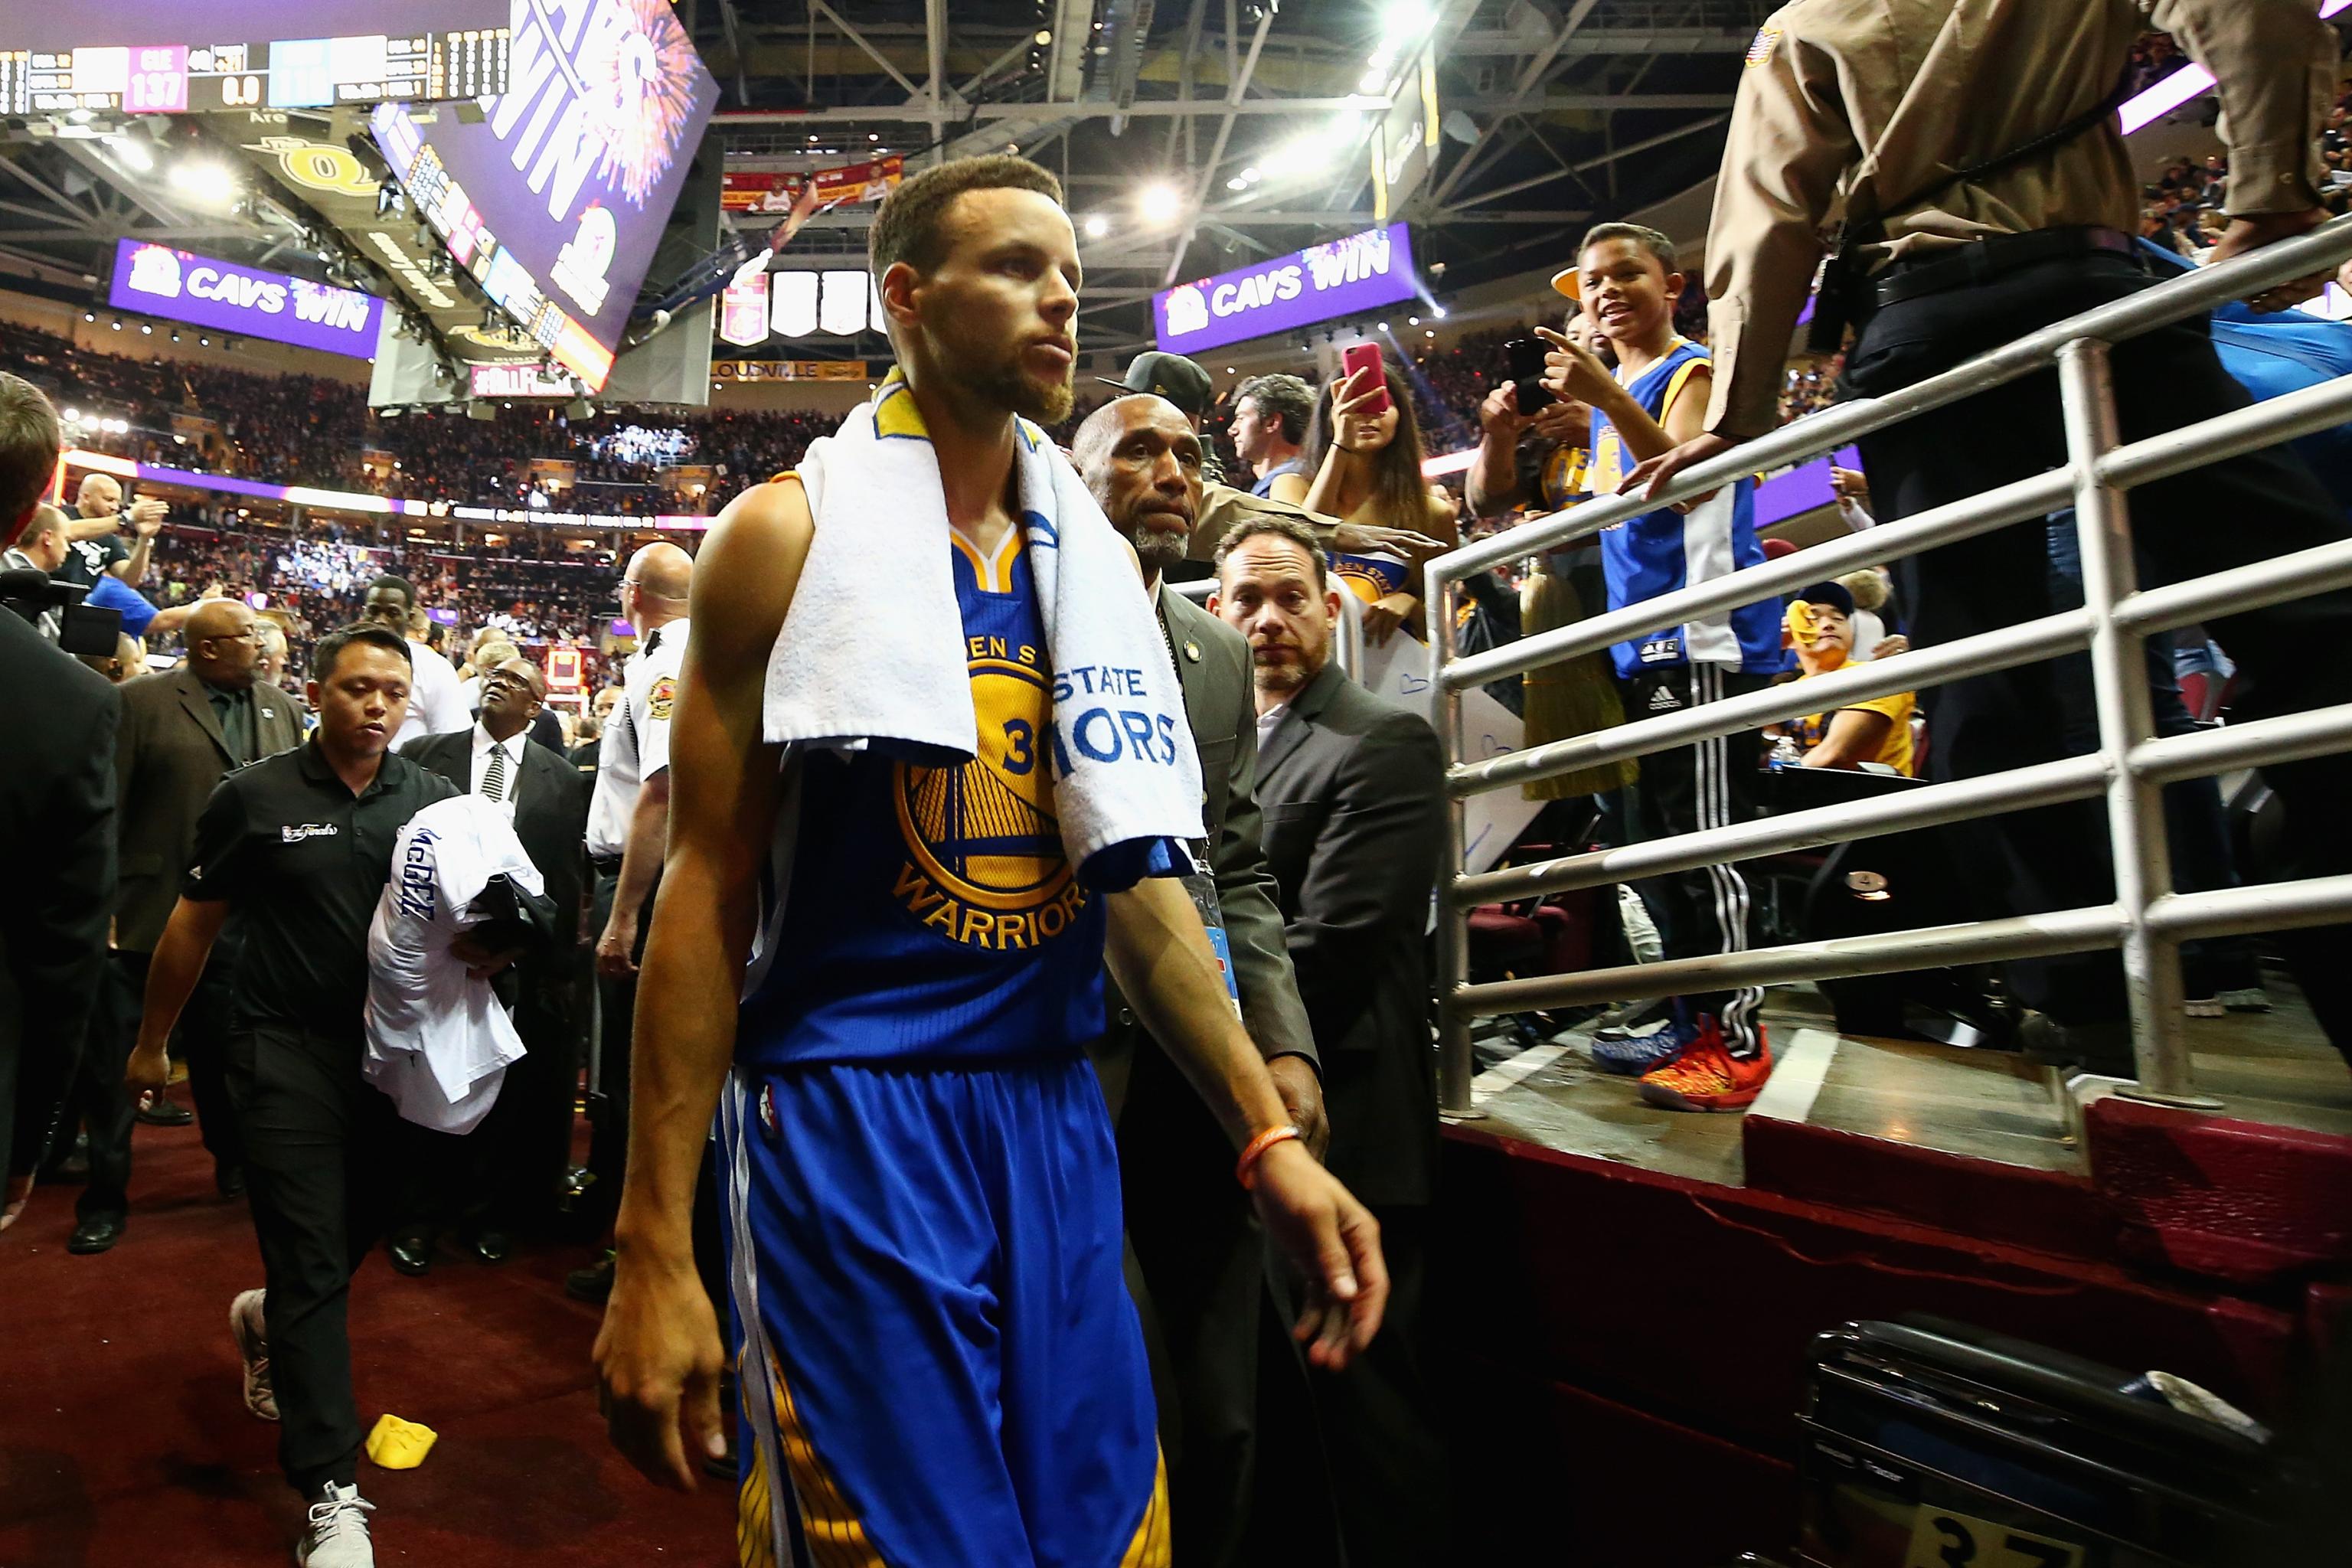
1660	552
931	913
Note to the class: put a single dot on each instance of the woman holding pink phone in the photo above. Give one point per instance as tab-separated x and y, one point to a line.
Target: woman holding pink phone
1363	449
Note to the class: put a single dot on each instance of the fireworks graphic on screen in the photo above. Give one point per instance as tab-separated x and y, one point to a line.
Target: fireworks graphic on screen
637	82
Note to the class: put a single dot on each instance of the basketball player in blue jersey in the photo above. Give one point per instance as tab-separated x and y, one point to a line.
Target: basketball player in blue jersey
941	1365
1711	1056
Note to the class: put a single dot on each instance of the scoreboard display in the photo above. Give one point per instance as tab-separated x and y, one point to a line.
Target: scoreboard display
136	57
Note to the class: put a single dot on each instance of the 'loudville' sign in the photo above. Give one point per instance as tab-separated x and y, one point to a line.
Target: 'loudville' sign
156	280
1361	272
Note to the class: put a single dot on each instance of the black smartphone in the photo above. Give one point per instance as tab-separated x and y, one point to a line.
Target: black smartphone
1527	357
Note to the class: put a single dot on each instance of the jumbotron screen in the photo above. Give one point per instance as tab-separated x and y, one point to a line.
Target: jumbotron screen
554	198
168	56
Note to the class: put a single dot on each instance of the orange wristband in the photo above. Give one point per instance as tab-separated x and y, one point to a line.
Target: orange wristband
1245	1168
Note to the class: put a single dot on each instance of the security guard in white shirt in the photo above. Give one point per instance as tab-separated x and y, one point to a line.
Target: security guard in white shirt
628	825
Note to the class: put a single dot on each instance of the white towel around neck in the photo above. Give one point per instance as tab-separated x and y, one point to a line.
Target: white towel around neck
872	652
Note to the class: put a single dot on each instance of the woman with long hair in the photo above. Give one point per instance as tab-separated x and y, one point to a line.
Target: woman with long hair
1367	469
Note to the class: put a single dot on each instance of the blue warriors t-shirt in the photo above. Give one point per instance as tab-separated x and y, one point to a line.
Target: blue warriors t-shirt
1660	552
931	912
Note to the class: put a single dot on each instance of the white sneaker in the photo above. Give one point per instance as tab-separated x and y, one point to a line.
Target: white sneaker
338	1535
250	1329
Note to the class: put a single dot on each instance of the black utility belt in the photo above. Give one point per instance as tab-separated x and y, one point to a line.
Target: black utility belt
604	865
1980	261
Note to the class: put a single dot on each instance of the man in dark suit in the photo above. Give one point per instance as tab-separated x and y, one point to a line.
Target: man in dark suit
1203	1266
1353	789
182	730
56	816
501	1177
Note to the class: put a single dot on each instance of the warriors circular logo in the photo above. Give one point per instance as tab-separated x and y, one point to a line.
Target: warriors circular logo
986	866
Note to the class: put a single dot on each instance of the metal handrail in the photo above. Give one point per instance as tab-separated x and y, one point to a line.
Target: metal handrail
2146	918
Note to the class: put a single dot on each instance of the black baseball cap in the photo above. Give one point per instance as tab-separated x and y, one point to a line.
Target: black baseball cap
1837	595
1172	376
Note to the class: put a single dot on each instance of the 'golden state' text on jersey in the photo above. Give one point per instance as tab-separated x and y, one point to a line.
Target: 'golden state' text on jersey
931	911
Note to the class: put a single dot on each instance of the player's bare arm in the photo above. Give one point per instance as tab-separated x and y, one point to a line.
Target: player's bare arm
1160	956
659	1347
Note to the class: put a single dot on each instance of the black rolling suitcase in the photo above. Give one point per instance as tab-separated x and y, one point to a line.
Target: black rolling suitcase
1931	1445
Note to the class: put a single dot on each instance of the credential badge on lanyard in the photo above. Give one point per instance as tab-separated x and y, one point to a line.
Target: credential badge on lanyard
1201	882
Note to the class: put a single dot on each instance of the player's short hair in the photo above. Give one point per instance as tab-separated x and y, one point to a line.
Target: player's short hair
912	225
330	647
407	589
1284	395
1647	238
30	439
1279	527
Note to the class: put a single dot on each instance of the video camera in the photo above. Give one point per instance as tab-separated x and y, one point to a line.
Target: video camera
81	629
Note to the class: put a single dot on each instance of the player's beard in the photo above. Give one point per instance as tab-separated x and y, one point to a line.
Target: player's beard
996	376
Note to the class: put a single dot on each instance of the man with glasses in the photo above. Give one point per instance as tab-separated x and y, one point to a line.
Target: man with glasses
628	825
500	1178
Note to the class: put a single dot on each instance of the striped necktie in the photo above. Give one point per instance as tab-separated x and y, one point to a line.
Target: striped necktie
494	780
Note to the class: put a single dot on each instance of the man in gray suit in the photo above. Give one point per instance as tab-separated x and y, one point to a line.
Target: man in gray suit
1354	791
182	730
1202	1267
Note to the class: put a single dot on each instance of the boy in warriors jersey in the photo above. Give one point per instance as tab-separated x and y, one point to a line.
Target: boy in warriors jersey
941	1365
1711	1056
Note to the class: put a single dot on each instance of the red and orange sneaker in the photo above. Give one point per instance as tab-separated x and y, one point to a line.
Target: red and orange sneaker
1708	1077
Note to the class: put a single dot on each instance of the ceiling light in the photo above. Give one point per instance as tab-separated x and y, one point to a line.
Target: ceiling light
204	342
205	180
1438	310
117	325
1250	175
873	136
1407	18
1412	321
73	416
1045	34
80	116
146	328
132	154
1160	202
1429	333
1384	326
811	135
89	315
1097	225
1237	183
1373	82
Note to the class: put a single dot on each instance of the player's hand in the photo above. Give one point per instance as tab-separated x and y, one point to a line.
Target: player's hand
2253	232
1371	539
1384	616
1334	1243
148	1068
616	949
1573	373
1302	1096
657	1360
1655	474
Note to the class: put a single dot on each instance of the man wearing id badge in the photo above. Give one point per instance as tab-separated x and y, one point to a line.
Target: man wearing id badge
1202	1265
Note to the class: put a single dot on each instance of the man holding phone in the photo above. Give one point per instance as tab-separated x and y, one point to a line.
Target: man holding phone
94	533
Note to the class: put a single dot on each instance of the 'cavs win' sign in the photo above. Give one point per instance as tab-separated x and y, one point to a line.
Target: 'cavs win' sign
1360	272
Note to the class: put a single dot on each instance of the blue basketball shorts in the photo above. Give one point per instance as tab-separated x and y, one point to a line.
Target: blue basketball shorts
941	1365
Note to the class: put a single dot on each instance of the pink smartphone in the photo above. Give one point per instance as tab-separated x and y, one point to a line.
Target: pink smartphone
1367	356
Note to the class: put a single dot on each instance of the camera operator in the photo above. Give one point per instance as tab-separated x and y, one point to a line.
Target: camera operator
94	528
56	816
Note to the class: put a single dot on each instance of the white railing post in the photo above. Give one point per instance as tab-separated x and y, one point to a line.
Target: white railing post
1453	1060
2143	861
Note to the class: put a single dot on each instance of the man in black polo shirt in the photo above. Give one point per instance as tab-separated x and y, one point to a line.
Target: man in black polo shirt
297	847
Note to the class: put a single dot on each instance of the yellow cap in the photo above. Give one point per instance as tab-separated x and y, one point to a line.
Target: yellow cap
397	1445
1564	282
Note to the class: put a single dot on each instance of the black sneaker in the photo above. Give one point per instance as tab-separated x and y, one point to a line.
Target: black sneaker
592	1284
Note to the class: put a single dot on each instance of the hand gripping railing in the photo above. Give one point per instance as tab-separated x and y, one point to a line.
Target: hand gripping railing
2147	919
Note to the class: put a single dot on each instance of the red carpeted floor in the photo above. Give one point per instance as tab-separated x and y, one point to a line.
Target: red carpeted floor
123	1443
